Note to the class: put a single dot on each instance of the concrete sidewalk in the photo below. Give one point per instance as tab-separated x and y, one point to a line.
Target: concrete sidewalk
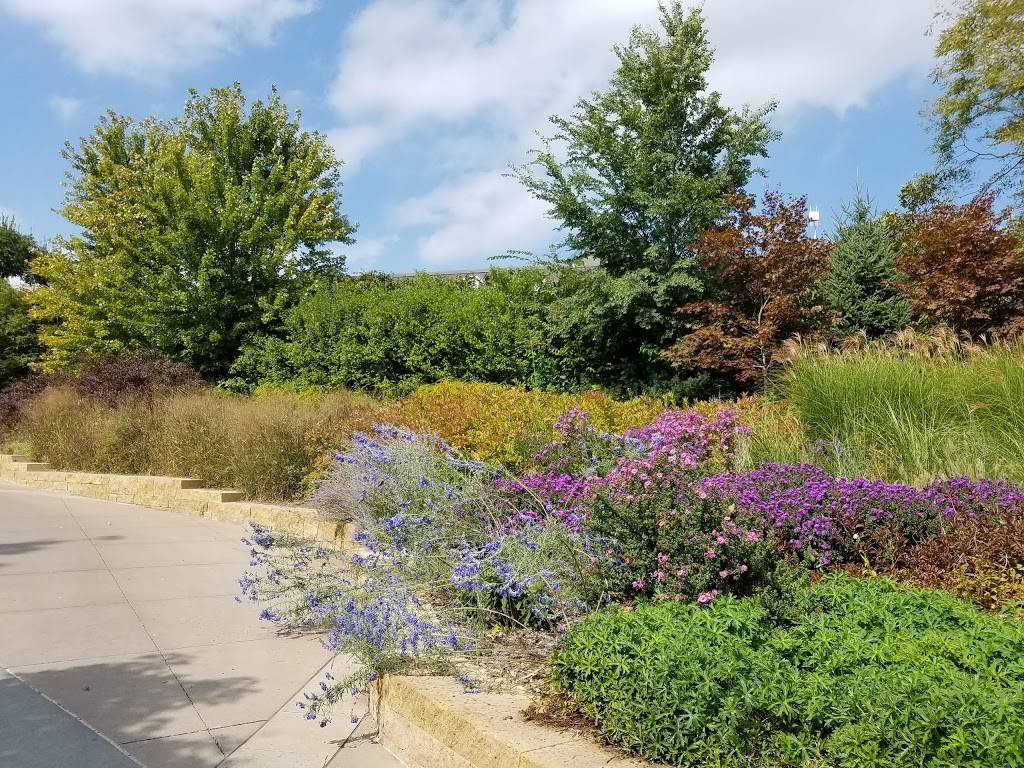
126	617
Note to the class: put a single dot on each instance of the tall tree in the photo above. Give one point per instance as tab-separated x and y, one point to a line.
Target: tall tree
764	270
980	114
636	173
195	232
16	249
862	284
964	268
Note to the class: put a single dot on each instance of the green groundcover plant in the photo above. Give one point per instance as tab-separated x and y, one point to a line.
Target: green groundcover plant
861	673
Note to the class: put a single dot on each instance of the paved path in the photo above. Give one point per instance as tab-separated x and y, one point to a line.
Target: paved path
125	617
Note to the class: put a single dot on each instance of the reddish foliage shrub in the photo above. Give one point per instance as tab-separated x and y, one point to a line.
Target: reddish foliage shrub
977	558
964	268
137	375
16	396
763	268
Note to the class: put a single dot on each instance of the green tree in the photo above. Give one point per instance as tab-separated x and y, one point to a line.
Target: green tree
19	344
195	232
862	284
16	249
633	176
980	114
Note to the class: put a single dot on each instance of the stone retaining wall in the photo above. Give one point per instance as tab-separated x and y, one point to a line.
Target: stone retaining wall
177	494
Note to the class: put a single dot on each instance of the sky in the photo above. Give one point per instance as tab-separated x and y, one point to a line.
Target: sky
428	102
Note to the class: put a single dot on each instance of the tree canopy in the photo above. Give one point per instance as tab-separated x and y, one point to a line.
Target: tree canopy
16	249
633	176
980	114
194	232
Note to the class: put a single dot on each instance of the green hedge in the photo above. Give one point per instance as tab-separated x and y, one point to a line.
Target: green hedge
374	332
869	675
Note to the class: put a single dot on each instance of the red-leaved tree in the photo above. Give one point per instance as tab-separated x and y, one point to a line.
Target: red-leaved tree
761	270
964	268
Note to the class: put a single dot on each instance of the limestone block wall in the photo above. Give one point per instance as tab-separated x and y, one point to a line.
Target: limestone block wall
176	494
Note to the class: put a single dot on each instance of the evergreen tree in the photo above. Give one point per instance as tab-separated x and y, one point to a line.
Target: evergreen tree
862	284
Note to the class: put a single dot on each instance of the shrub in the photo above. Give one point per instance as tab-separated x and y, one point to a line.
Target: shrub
977	558
382	334
133	375
15	398
437	571
870	675
507	425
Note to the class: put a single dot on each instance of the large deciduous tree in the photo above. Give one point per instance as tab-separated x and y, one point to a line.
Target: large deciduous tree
764	270
633	176
964	268
862	284
980	113
195	232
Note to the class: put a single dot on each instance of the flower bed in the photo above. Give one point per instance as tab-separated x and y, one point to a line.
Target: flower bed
456	551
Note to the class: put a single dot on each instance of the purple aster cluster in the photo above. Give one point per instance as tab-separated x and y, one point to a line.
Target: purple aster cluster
827	518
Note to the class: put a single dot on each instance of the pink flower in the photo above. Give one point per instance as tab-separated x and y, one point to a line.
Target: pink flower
662	558
659	575
743	569
709	554
753	536
639	584
723	573
707	597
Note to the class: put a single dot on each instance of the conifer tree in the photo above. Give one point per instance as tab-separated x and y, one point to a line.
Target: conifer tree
862	285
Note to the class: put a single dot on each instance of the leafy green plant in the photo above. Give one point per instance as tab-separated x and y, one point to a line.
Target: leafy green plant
377	334
867	675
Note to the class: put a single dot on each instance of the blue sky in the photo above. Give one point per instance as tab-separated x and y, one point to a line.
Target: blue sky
428	101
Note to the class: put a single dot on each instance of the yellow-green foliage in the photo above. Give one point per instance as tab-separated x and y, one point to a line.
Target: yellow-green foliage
504	424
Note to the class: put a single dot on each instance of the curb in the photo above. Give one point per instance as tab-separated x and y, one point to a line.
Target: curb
431	722
177	494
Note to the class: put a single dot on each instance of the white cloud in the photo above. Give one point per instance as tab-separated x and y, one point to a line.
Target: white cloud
479	78
141	38
473	218
65	107
365	254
